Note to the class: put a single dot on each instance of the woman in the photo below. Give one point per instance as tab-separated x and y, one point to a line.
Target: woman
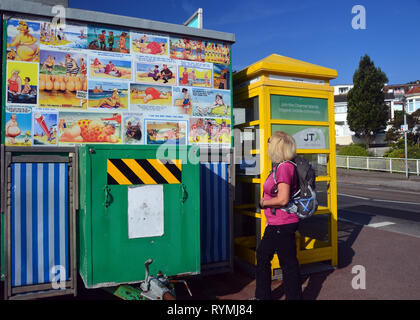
281	226
72	69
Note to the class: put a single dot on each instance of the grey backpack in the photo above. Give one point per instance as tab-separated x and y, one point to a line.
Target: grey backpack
303	202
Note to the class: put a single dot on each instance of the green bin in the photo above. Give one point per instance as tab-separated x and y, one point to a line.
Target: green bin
134	206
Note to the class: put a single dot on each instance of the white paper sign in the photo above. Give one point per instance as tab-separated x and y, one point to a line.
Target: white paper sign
145	211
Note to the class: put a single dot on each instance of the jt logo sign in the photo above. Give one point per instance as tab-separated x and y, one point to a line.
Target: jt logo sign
359	20
309	137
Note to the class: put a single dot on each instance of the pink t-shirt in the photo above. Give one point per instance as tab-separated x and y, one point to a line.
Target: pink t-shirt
286	173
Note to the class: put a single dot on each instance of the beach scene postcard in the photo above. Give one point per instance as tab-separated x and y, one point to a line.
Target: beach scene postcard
89	127
22	83
62	79
23	40
109	68
156	72
166	132
67	37
108	95
149	44
45	126
18	128
145	94
210	103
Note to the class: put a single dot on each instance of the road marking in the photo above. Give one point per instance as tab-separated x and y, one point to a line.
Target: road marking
380	224
378	200
351	196
372	225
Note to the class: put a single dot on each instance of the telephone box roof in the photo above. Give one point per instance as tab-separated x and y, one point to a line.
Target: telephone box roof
282	65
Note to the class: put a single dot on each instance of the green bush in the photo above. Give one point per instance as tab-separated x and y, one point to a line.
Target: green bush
353	150
413	152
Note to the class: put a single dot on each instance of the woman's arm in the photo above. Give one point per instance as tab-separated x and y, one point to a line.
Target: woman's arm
282	199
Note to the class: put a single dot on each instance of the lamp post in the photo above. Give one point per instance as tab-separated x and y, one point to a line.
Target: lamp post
405	136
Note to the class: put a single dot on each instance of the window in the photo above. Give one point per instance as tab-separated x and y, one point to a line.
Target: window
411	105
342	90
417	105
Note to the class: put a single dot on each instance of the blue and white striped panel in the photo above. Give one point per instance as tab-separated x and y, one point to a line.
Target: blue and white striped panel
39	222
214	212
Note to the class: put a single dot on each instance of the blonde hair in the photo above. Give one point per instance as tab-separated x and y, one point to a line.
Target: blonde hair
282	147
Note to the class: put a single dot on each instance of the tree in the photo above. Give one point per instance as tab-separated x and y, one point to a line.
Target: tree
394	133
367	113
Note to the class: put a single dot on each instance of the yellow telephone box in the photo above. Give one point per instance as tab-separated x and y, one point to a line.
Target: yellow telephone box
281	93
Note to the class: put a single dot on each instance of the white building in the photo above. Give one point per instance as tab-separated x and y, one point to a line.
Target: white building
343	134
393	93
413	99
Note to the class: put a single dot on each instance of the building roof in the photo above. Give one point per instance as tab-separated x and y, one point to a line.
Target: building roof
12	7
278	64
413	90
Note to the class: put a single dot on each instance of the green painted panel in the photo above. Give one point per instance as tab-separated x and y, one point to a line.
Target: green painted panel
306	137
115	258
2	248
298	108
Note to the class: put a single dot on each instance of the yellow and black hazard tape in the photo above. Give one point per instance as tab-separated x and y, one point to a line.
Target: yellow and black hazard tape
143	171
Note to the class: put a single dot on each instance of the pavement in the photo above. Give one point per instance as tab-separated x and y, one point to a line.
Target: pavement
378	178
389	260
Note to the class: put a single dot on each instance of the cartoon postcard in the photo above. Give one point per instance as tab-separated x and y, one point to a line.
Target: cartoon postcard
217	53
18	129
108	95
182	99
194	76
62	80
166	132
145	94
88	127
133	128
187	49
149	44
156	71
221	76
209	131
23	40
105	39
45	126
109	68
22	83
67	37
210	103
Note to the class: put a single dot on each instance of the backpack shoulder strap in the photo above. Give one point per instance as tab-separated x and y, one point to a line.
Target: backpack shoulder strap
274	171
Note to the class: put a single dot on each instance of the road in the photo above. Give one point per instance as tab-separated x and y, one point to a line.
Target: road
380	207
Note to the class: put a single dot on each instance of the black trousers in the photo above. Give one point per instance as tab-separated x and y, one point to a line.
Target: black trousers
280	239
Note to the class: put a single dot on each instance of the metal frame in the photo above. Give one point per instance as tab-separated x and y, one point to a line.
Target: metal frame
32	154
223	155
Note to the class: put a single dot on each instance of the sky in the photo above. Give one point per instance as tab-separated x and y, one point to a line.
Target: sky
318	32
